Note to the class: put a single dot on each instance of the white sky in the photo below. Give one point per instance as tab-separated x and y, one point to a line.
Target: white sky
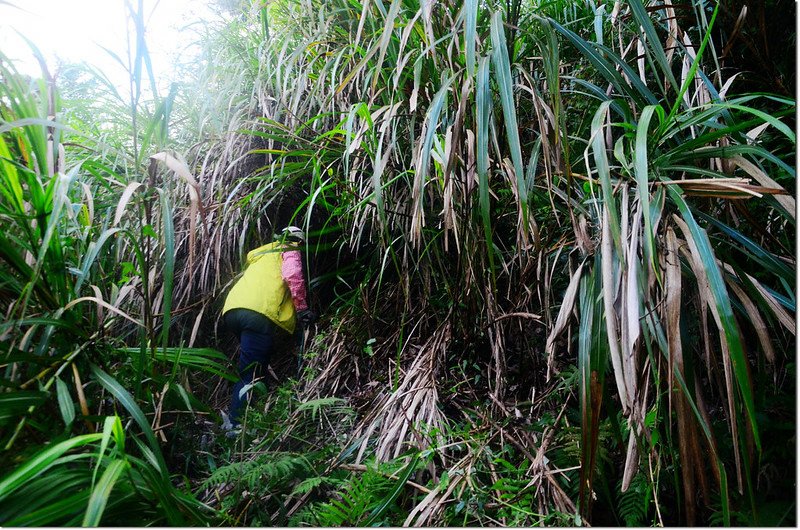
74	30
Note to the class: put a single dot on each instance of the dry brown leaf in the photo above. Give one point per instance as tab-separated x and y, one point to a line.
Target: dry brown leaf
630	308
104	304
778	310
786	201
123	201
672	288
708	299
609	296
755	319
687	443
563	315
631	461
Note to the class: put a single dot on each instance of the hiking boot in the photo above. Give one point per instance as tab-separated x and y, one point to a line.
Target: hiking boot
231	429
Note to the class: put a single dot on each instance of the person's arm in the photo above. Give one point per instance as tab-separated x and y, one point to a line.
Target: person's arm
292	272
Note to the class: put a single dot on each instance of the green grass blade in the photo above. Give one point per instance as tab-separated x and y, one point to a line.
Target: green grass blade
111	427
645	21
641	171
65	403
41	462
12	404
431	126
389	499
379	164
588	443
724	497
691	156
44	490
127	401
505	86
765	117
11	187
203	359
386	37
692	70
101	493
160	486
91	255
470	30
769	261
169	266
636	90
483	97
604	172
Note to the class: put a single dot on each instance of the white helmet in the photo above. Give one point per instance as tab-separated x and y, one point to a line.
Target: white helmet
295	233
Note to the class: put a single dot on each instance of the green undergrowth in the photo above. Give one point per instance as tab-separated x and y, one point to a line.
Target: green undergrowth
294	464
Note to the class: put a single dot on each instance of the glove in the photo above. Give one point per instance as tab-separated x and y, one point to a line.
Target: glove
307	317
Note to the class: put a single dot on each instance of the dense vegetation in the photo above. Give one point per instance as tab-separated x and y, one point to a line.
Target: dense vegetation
553	246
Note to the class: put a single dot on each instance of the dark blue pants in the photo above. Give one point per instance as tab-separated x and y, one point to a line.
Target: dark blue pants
255	333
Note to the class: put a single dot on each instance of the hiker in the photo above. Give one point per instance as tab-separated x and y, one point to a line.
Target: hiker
270	296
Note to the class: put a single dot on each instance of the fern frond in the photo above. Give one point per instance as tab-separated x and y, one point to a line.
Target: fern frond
307	486
634	504
261	472
315	405
356	499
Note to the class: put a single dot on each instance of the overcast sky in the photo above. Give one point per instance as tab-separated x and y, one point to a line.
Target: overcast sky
75	30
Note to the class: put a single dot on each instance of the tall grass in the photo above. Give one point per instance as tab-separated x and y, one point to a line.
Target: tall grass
90	374
526	189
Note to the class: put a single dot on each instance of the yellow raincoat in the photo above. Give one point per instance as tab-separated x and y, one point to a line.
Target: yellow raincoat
262	288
